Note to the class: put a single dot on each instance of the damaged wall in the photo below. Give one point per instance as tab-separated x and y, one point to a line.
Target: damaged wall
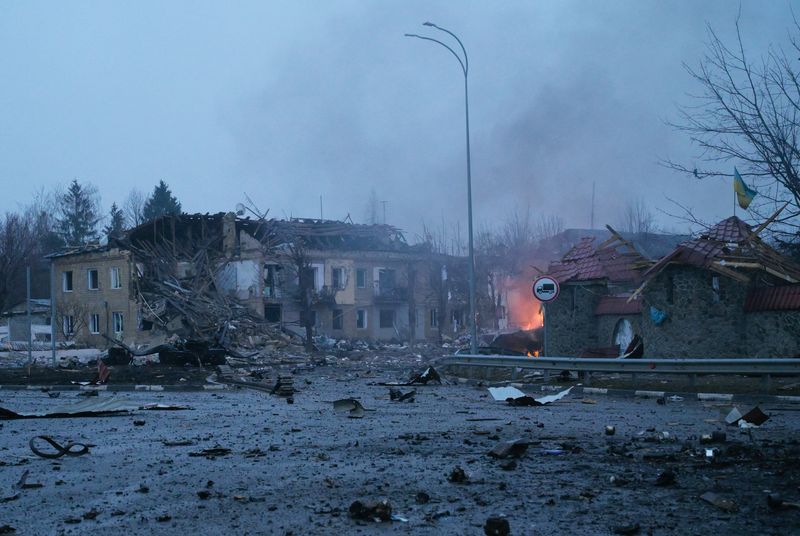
570	319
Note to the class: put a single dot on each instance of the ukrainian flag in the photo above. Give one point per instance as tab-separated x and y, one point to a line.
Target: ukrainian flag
744	194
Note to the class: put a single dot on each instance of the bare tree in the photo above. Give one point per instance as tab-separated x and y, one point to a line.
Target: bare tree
548	226
747	114
637	218
134	207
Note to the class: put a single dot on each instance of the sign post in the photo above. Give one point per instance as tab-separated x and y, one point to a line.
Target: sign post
545	289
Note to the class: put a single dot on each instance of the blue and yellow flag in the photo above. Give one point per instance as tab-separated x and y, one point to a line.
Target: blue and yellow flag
744	194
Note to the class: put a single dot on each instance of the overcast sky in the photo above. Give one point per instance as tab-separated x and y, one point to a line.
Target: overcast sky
290	101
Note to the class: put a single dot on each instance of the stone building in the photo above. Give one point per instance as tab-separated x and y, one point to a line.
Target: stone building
592	315
724	293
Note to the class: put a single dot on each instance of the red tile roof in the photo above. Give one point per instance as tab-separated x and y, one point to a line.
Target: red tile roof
584	262
773	299
618	305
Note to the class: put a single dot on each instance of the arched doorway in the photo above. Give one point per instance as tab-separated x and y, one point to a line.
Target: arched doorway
623	334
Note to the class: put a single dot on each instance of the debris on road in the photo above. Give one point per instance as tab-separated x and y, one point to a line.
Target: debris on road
284	386
713	437
509	449
24	484
177	443
88	408
628	530
67	449
721	503
427	375
399	396
515	397
666	478
497	526
458	476
211	453
775	502
351	405
378	511
752	419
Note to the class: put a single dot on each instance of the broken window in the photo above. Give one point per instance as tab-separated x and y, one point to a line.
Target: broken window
68	325
271	281
434	317
116	282
386	279
116	322
66	281
94	323
93	279
338	319
337	278
387	318
361	278
272	312
361	319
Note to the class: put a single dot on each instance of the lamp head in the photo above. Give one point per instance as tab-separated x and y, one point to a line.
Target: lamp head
428	24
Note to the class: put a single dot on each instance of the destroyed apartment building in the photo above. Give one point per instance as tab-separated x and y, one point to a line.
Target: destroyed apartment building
724	293
220	278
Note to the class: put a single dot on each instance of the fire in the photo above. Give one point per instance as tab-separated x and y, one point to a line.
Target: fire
524	310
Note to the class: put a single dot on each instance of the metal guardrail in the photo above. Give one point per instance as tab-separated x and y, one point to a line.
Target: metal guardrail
744	366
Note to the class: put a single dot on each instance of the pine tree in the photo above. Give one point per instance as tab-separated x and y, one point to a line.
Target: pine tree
116	225
77	224
161	202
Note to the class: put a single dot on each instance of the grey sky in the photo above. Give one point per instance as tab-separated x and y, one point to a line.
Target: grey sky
287	101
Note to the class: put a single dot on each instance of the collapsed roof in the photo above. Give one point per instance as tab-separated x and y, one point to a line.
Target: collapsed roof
733	249
587	262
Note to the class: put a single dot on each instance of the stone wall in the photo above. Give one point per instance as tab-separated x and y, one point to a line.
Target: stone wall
702	322
773	334
570	321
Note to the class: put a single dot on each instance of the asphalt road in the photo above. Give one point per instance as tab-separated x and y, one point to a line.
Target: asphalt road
296	468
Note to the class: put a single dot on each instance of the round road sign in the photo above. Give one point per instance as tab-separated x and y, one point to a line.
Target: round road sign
545	289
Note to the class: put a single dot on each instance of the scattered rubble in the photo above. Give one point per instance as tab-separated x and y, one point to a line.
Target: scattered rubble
515	397
720	502
378	511
351	405
497	526
68	449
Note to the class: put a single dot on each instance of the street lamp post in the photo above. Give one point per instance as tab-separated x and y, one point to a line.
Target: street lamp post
465	69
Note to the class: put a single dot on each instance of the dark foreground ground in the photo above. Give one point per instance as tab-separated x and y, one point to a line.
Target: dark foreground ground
296	469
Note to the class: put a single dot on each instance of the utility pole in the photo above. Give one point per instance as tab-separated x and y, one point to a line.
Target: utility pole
30	324
591	225
464	64
384	211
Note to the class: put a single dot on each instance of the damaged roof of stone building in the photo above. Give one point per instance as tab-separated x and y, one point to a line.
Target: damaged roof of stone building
606	261
730	248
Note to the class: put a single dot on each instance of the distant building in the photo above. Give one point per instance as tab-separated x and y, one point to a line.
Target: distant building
345	280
